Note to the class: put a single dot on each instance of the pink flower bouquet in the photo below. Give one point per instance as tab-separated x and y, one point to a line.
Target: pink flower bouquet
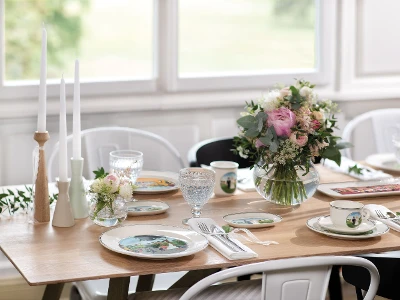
282	133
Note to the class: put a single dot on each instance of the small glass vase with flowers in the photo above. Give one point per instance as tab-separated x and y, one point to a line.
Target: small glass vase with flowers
109	194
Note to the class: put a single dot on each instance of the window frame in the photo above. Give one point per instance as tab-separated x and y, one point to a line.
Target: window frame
165	77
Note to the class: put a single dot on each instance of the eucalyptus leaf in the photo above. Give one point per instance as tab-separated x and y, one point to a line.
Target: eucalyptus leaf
332	153
247	122
252	133
344	145
274	146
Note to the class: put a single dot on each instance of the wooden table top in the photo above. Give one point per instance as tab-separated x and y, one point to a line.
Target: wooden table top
44	254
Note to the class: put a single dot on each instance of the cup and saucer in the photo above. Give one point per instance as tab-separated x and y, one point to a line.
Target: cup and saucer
347	220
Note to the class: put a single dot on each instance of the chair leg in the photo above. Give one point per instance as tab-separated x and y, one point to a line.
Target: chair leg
335	286
74	294
359	294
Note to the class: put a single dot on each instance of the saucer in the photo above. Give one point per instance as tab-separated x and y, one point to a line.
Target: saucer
379	230
252	219
326	223
144	208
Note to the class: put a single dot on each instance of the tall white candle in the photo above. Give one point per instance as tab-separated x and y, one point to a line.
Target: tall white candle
77	115
41	123
63	135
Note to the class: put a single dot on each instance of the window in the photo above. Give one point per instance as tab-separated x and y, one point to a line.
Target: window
129	46
236	36
112	39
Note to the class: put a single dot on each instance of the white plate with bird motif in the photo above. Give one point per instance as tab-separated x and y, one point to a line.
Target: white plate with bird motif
153	241
252	219
145	208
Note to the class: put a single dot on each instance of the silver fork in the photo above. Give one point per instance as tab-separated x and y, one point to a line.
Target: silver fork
215	229
381	215
204	228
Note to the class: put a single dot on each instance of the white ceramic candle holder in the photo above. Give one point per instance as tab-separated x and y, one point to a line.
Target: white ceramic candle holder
77	193
63	216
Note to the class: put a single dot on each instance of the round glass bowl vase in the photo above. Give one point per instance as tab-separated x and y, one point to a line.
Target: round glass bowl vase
285	185
107	214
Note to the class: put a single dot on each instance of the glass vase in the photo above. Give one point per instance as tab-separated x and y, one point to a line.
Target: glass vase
286	185
107	214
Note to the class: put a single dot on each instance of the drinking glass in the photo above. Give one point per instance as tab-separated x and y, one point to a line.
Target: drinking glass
197	186
127	164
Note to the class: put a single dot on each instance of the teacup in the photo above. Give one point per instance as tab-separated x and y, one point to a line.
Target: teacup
348	214
225	177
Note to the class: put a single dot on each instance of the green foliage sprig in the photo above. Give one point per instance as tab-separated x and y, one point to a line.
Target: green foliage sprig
14	200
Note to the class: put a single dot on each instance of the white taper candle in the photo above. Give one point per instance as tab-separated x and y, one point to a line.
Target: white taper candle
62	155
77	115
41	123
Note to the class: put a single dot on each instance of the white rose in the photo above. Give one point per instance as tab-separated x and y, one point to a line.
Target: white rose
285	92
271	100
305	91
125	191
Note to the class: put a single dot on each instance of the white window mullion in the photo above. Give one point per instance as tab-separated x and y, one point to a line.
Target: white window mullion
2	41
166	44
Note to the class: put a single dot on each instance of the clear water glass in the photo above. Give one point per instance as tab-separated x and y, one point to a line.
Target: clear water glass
197	186
127	164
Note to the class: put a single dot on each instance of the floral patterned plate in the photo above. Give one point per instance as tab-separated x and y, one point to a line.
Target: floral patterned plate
153	241
252	219
143	208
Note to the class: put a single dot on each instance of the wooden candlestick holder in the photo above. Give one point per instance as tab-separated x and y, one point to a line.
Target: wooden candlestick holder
41	202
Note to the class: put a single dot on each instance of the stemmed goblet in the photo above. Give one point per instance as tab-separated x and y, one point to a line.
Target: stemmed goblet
197	186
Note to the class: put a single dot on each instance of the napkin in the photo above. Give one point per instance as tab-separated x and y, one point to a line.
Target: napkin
372	208
366	174
245	180
219	246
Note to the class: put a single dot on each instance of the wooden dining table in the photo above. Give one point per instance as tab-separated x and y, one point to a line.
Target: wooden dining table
52	256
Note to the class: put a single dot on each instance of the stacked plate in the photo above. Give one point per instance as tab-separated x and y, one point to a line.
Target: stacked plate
367	229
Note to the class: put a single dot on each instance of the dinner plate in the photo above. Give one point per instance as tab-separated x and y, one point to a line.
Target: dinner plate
156	183
143	208
379	230
361	189
252	219
153	241
326	223
384	161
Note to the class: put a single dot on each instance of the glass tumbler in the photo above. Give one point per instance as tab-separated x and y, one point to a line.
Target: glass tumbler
127	164
197	186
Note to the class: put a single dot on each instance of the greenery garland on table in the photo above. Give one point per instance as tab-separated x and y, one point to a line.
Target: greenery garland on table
14	200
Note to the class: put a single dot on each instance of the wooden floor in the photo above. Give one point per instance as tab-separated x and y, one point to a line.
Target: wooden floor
18	289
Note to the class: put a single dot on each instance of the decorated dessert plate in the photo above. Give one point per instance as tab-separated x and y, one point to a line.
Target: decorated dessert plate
252	219
156	183
153	241
361	189
143	208
384	161
379	230
326	223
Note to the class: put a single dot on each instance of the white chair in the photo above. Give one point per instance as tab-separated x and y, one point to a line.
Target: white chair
158	154
304	278
97	143
385	122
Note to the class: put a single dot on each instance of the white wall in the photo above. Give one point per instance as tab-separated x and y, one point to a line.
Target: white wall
366	77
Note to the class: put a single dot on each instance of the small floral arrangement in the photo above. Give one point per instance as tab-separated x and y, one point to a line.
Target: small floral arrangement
286	129
107	188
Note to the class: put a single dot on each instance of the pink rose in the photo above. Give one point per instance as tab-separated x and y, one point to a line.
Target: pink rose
315	124
112	181
283	119
259	144
299	140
